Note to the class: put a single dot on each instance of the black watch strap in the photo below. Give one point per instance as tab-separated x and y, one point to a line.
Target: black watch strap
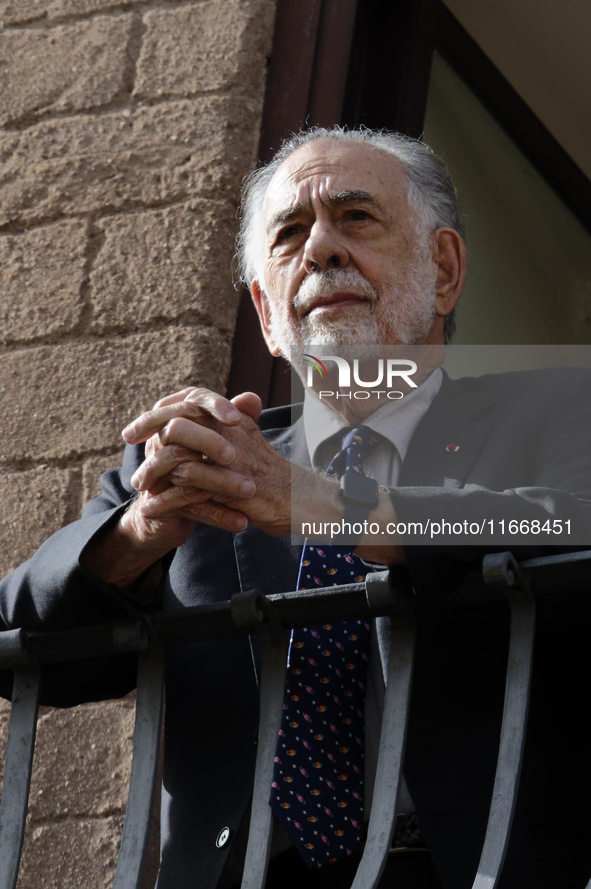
360	494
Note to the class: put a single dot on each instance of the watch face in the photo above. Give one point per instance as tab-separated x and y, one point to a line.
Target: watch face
359	489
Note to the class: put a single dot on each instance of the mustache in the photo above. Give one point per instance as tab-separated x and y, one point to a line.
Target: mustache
327	282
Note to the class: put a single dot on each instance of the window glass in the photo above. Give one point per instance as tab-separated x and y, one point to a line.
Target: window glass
529	278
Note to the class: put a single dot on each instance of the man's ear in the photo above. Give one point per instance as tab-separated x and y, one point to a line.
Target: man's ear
449	253
261	304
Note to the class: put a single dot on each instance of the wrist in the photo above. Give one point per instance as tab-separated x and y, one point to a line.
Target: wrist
360	496
316	501
121	552
384	547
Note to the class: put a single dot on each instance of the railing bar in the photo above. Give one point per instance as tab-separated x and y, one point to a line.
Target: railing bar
214	620
382	820
273	669
193	624
144	770
517	688
17	772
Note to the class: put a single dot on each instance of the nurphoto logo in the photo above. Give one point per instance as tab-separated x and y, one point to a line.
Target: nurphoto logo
388	372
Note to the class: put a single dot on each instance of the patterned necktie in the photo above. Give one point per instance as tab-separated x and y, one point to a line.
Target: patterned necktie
318	782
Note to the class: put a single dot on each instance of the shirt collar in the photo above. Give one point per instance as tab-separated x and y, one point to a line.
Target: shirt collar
395	421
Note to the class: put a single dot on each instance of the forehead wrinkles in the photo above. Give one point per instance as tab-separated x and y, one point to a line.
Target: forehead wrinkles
308	183
301	181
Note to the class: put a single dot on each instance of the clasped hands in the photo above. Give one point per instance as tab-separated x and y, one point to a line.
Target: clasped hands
207	460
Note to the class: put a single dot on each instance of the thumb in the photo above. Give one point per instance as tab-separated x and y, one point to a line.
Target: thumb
249	403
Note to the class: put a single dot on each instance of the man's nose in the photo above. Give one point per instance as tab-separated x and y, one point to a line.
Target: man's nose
324	249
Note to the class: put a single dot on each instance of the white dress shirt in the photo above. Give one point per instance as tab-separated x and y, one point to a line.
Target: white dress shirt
395	422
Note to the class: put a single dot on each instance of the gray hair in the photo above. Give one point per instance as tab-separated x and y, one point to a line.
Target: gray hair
430	190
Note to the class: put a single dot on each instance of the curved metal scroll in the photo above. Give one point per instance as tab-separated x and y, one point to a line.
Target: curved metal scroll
144	768
17	772
391	753
503	569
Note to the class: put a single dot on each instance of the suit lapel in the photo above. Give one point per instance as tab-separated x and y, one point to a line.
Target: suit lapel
449	438
291	442
271	564
268	564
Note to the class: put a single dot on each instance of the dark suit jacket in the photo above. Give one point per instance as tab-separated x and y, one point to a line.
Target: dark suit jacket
212	693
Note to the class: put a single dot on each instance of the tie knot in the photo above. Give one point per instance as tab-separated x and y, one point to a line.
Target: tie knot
355	446
361	439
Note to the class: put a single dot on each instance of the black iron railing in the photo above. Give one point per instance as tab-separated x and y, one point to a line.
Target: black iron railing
270	616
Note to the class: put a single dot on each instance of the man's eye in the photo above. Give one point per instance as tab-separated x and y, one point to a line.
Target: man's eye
359	215
289	232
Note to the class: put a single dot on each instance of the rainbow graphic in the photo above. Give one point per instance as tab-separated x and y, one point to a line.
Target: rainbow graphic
316	363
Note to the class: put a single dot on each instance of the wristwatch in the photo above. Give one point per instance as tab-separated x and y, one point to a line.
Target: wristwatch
360	494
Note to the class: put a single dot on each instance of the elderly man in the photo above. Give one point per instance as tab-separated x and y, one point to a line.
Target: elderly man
347	238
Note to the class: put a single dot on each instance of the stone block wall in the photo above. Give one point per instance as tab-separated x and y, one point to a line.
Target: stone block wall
126	127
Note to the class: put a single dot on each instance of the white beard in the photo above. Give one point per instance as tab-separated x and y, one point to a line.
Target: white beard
406	308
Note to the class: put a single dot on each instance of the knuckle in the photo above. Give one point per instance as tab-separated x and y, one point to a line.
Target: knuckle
177	452
196	394
199	413
212	510
173	427
180	475
179	495
192	410
160	439
189	494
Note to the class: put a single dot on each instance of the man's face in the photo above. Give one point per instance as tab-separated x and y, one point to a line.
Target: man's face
342	261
